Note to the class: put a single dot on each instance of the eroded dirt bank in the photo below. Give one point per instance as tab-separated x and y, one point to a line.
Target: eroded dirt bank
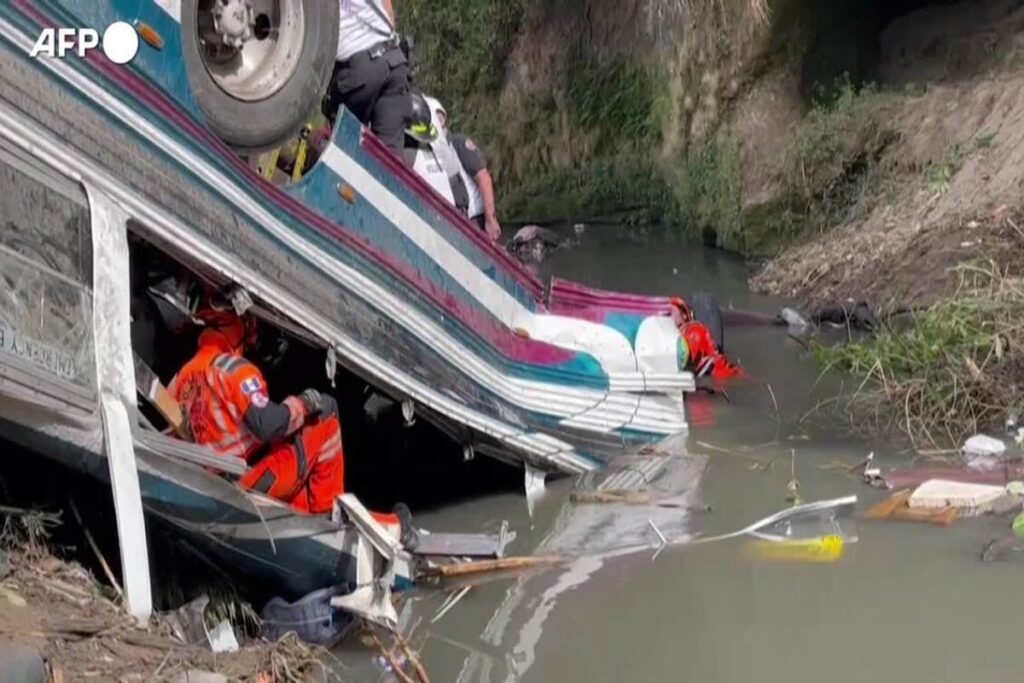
946	187
864	146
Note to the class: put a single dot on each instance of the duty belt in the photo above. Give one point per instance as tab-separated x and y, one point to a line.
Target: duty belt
376	51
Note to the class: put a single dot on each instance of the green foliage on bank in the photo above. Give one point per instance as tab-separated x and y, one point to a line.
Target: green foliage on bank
951	370
709	190
623	100
629	184
462	45
832	155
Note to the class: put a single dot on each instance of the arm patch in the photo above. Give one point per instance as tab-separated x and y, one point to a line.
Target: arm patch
252	386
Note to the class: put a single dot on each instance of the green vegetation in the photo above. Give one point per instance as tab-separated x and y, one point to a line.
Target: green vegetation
699	192
941	171
832	155
629	183
770	227
958	367
462	45
592	144
709	191
984	139
624	101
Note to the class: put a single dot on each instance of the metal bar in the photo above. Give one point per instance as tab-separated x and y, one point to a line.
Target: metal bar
111	330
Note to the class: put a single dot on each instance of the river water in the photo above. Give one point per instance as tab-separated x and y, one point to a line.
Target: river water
905	602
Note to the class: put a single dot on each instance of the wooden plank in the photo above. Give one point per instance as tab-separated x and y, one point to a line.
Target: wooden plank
157	395
886	508
943	517
609	497
895	507
485	566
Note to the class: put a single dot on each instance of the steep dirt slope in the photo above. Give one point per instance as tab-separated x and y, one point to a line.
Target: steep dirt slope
954	173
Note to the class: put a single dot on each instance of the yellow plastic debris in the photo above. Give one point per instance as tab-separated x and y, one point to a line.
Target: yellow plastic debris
821	549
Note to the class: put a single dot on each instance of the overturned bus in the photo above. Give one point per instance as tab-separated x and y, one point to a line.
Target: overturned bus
370	283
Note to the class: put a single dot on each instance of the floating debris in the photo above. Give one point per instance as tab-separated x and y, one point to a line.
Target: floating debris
938	494
895	507
823	549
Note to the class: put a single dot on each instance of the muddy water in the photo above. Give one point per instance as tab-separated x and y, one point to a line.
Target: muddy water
905	602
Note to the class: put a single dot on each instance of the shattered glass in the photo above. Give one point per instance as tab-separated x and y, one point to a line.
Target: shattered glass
46	321
45	279
44	226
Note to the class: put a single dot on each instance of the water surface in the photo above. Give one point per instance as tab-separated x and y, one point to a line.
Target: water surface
905	603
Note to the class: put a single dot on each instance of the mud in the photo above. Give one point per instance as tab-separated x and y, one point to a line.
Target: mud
954	76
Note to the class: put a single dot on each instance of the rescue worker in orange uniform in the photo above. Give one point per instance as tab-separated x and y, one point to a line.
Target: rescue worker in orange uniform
293	448
698	351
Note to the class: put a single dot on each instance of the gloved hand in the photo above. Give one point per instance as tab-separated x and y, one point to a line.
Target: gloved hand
313	401
328	406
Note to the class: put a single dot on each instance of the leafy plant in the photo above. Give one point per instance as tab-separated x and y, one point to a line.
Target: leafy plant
983	140
462	45
621	99
941	171
956	369
711	187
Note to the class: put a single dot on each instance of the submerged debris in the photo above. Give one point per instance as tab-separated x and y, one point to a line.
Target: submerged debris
399	659
532	243
821	549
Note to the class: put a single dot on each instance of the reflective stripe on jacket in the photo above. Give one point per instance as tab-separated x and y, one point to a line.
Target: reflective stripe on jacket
215	390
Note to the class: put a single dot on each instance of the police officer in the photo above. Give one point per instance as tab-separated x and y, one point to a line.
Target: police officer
472	167
371	73
427	152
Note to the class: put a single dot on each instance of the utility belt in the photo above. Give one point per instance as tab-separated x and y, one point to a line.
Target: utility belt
373	52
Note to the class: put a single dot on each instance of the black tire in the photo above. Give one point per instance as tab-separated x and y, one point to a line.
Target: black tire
707	311
252	126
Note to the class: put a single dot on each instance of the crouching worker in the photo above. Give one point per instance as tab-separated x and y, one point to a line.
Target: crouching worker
293	448
698	351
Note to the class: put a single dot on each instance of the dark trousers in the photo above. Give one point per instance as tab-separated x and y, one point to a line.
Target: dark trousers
376	90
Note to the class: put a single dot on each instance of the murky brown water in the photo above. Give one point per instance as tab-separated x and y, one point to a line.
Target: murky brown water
905	603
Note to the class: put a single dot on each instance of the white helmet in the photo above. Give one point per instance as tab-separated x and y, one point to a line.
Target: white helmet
436	108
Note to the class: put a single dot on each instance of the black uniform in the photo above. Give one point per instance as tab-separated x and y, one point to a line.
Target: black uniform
374	84
469	154
473	161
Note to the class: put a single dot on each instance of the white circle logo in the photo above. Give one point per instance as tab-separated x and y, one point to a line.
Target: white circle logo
120	42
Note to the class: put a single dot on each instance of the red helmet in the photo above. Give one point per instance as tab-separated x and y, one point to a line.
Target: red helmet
700	344
218	315
681	311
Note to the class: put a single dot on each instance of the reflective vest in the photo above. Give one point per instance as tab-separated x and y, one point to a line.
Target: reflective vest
215	390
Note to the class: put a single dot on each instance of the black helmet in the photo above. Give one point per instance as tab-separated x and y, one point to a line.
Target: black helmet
420	125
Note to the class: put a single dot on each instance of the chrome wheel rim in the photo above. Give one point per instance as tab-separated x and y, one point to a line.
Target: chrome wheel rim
251	48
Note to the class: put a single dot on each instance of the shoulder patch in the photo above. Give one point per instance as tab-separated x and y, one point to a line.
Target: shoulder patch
260	400
252	386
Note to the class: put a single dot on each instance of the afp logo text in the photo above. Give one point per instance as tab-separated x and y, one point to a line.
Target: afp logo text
120	42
